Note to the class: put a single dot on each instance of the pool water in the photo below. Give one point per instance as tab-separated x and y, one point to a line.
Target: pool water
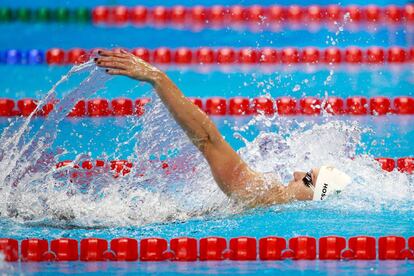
187	202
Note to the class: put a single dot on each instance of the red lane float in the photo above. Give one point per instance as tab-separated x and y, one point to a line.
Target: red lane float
310	55
10	249
205	56
179	14
28	106
404	105
396	55
184	249
138	15
118	15
6	107
248	56
77	56
160	15
268	56
162	55
310	106
357	105
301	248
353	55
100	14
226	56
334	106
380	105
200	15
290	56
64	249
153	249
373	13
122	107
263	106
332	55
93	249
79	110
183	56
55	56
212	249
124	249
140	106
197	102
331	248
375	55
271	248
354	13
392	248
286	106
334	13
394	14
387	164
361	248
98	108
243	249
217	15
406	164
216	106
276	14
239	106
33	250
187	249
142	53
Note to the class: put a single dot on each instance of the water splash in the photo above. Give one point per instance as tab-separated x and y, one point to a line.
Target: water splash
35	193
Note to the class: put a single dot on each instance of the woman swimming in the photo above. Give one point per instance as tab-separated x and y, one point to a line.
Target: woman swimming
232	174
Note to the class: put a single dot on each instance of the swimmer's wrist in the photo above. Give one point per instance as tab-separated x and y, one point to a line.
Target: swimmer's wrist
157	78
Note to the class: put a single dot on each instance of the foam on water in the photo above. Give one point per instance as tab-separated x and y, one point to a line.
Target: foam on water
34	192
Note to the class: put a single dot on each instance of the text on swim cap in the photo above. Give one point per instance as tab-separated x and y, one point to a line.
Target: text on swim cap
324	190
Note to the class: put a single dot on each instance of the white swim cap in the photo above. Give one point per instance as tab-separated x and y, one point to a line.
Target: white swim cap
330	180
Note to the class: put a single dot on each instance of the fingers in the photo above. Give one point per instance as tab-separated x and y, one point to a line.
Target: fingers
113	64
117	72
106	53
112	59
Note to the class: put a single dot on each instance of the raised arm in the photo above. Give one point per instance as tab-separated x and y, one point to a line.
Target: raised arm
231	173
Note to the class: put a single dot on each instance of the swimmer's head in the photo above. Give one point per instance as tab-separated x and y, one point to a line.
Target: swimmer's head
318	183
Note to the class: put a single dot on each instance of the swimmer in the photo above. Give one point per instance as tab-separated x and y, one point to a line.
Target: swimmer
231	173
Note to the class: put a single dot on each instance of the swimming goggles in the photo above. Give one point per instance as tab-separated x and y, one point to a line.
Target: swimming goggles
307	180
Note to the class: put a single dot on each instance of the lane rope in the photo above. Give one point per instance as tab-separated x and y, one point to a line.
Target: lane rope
217	16
224	56
187	249
218	106
119	168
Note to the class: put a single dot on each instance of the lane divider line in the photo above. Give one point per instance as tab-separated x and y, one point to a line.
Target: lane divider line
120	168
187	249
217	106
225	56
217	16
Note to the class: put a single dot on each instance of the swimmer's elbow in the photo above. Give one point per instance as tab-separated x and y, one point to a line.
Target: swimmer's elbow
274	196
201	141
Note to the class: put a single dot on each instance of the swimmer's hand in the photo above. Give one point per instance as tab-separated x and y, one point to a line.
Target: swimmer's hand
126	64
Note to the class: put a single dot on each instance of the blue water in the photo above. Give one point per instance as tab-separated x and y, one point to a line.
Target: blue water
383	207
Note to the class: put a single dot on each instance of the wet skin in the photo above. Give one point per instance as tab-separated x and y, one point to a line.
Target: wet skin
233	176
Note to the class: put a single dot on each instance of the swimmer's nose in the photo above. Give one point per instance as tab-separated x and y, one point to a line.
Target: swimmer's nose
298	176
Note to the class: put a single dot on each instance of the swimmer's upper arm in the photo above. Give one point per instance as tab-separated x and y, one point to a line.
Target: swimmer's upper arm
235	177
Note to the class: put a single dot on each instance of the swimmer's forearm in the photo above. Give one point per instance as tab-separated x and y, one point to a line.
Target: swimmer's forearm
194	121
